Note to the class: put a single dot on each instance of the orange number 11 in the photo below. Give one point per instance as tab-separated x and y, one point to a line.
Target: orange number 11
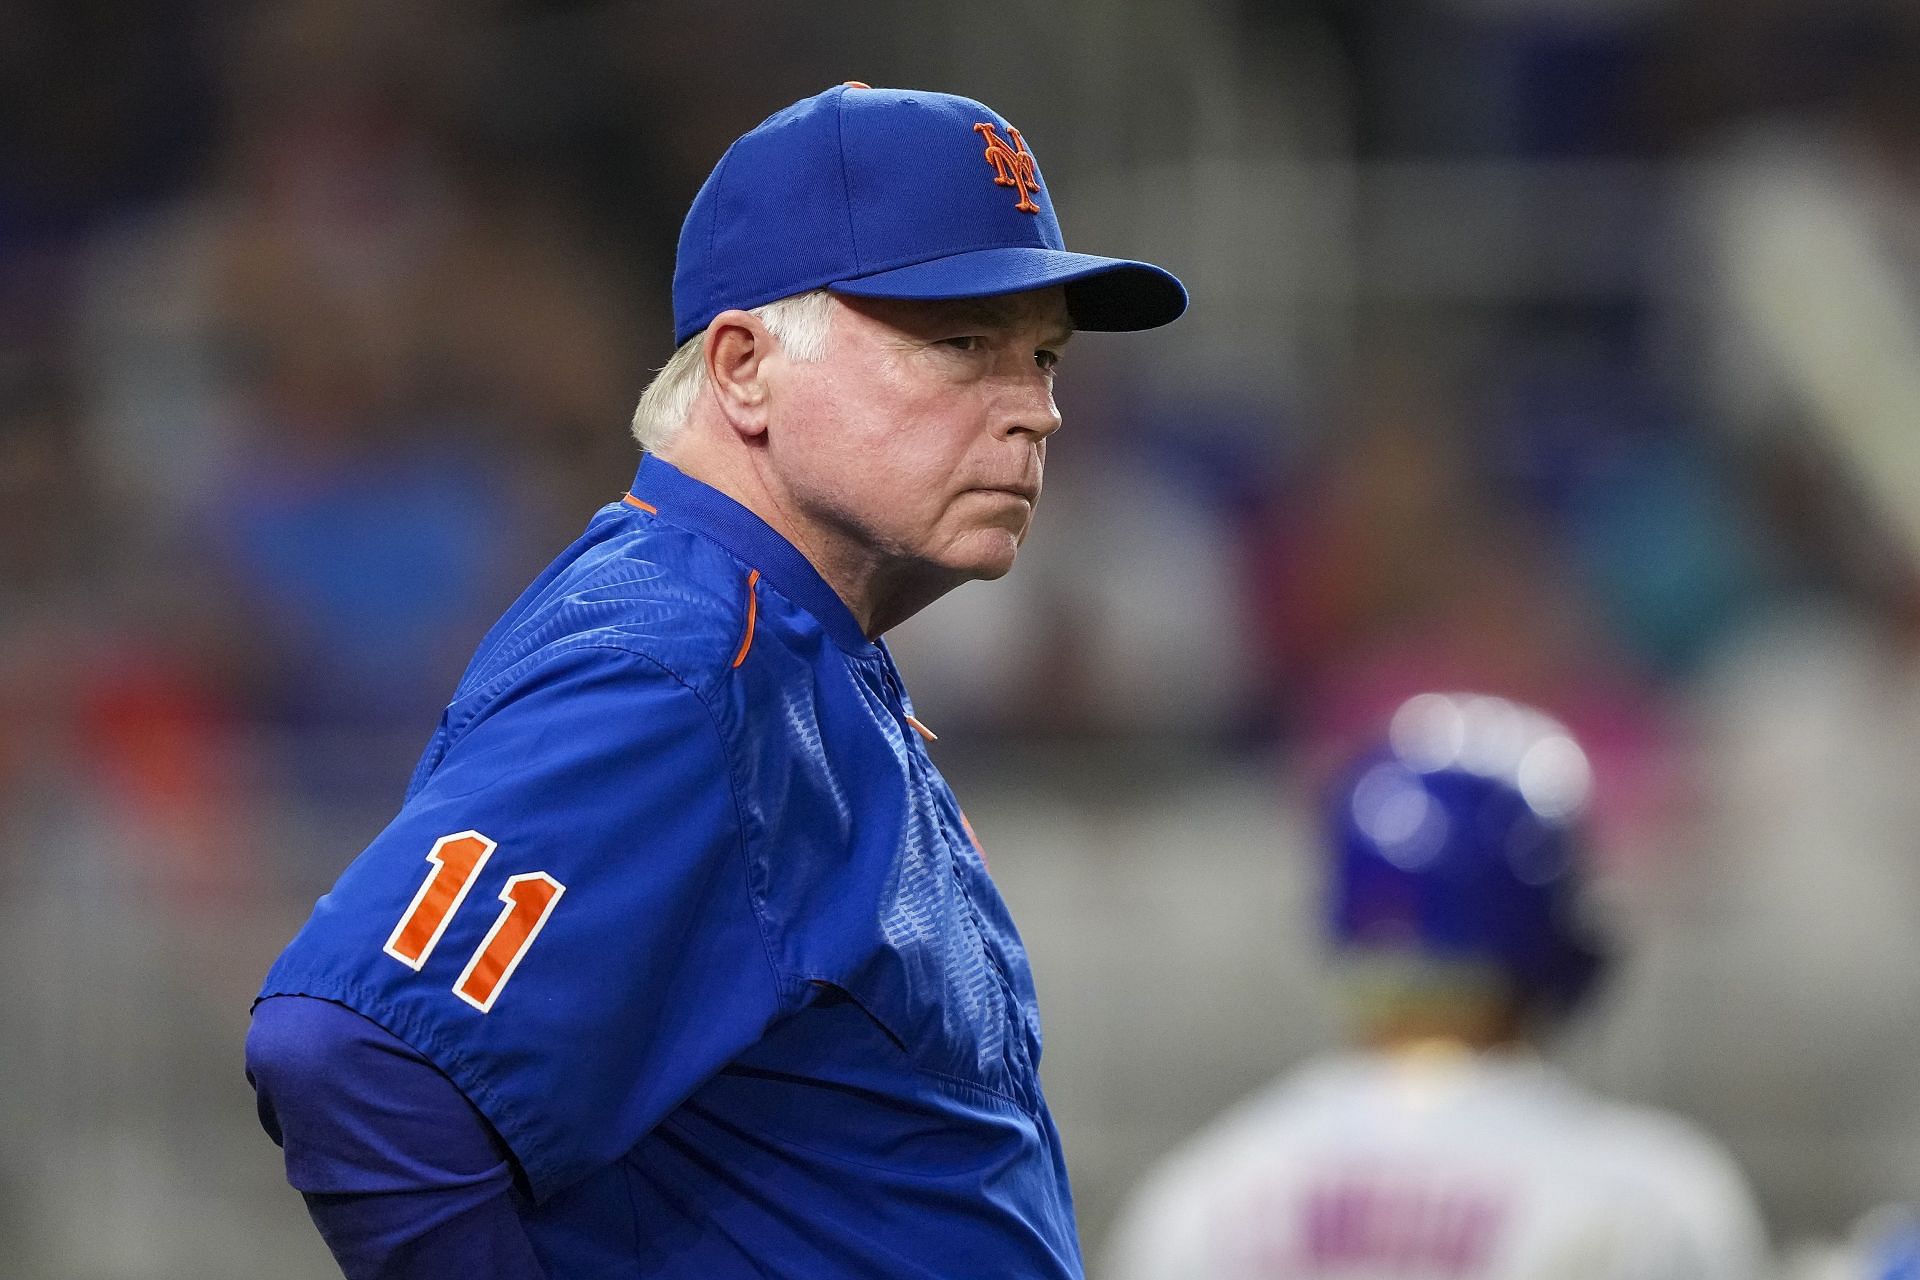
529	899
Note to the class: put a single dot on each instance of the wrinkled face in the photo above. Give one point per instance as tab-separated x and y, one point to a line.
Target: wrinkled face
918	440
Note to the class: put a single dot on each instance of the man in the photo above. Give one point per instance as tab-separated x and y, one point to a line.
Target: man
679	959
1443	1149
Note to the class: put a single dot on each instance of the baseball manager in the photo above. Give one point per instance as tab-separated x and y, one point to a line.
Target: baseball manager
679	959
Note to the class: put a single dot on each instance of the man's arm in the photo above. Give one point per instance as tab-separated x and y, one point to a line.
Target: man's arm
574	1024
402	1176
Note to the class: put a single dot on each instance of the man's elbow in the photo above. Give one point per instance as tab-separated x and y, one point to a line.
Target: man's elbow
331	1088
400	1173
294	1052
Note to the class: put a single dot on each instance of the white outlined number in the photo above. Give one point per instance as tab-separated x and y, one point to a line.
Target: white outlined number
529	897
456	860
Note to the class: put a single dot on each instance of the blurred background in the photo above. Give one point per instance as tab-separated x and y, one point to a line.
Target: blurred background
1561	349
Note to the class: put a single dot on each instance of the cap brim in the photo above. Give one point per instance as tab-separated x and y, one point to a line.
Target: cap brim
1103	294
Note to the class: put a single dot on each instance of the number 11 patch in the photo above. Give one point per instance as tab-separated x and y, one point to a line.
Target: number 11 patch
529	897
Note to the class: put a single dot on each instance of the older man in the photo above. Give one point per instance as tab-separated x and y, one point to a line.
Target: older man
679	959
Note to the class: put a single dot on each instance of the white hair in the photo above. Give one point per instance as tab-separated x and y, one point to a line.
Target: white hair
798	323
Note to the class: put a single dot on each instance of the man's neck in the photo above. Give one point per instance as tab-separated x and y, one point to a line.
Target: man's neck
878	600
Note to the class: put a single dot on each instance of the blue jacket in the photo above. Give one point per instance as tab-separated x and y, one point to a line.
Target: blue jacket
680	904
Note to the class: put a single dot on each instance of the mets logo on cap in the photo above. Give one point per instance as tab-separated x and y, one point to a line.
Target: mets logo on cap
1012	165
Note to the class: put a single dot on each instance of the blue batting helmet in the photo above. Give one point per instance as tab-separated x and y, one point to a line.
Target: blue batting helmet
1458	841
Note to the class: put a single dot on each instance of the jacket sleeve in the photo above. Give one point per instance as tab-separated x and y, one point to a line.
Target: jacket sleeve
402	1176
563	917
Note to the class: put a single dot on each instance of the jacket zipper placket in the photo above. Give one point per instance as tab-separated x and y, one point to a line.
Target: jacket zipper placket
1013	1012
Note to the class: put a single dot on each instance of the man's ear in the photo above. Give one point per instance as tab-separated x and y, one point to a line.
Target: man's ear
737	350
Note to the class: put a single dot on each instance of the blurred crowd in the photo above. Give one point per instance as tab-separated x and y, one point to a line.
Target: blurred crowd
321	321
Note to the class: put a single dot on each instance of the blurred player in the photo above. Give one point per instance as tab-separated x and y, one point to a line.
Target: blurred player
679	959
1442	1148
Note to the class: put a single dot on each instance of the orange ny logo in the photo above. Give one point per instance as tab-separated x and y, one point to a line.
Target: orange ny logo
1012	165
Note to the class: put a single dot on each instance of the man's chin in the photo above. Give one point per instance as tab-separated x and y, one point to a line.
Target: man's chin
995	571
990	555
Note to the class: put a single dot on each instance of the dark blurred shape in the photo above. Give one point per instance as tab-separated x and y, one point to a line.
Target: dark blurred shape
104	104
1637	495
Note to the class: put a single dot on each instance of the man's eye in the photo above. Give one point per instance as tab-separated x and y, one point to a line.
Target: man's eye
1046	359
970	342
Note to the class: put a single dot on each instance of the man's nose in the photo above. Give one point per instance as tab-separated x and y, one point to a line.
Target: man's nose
1031	411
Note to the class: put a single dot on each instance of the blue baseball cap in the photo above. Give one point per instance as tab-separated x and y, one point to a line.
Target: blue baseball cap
893	193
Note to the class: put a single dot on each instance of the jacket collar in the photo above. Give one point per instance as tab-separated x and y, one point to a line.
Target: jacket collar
679	499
